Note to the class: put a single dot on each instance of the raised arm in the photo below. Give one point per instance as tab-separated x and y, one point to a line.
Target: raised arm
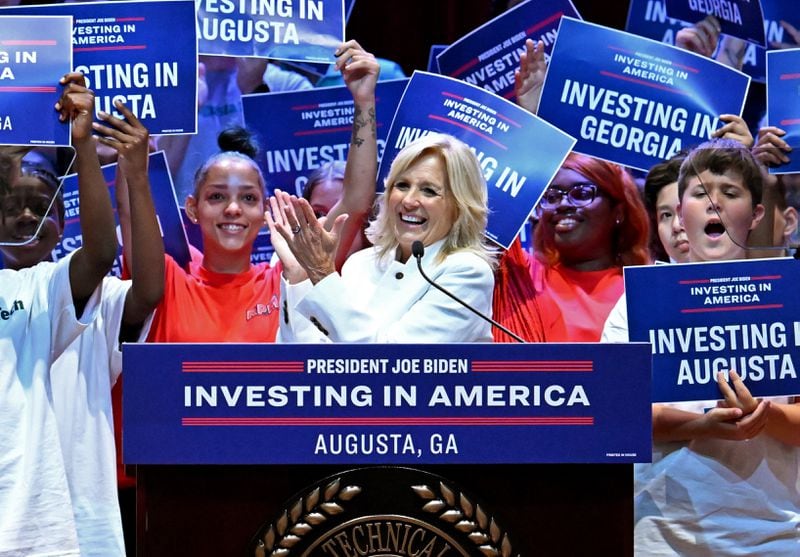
529	77
95	257
142	244
360	72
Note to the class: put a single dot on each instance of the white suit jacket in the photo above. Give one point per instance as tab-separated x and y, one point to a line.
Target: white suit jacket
386	301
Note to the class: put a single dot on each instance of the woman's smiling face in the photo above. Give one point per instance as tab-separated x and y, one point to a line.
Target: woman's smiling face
420	205
580	234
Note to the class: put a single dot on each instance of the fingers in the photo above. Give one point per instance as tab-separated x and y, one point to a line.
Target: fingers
338	224
710	29
76	99
286	210
728	394
345	52
771	149
735	129
746	400
701	38
754	423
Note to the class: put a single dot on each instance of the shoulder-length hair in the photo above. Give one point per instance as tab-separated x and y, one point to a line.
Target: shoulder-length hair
632	234
465	186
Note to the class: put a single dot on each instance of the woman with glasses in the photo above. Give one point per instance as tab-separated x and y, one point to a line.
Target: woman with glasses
591	223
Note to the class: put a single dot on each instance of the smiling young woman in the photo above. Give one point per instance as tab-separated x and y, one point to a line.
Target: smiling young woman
591	223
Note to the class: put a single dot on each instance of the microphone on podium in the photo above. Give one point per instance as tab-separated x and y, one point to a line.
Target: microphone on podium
418	250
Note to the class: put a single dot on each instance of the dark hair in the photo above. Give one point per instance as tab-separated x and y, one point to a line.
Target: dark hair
660	176
333	170
239	140
235	143
719	156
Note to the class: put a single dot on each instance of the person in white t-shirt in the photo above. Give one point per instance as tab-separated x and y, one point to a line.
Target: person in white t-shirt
724	477
42	310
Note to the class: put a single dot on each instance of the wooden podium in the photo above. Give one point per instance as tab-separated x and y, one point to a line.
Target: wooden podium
211	476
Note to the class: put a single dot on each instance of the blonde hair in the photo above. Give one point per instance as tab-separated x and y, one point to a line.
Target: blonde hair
465	186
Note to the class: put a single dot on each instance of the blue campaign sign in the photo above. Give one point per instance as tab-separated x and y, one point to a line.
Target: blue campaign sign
386	404
705	318
141	53
167	211
648	18
631	100
305	129
301	30
433	64
34	54
783	102
488	56
496	130
738	18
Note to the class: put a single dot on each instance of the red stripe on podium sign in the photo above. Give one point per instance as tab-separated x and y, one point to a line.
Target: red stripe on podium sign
244	367
479	366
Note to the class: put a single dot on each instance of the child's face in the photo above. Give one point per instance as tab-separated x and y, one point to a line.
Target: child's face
706	227
22	210
229	207
669	228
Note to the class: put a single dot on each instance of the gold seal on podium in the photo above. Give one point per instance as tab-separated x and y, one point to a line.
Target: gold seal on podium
383	511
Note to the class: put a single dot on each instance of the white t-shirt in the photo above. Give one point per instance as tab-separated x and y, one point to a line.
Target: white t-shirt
714	496
82	379
37	323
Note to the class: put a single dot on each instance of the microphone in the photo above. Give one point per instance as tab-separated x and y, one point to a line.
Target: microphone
418	250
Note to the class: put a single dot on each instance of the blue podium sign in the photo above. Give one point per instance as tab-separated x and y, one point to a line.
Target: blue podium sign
783	102
167	212
738	18
34	54
495	129
305	129
301	30
705	318
142	53
386	404
632	100
489	55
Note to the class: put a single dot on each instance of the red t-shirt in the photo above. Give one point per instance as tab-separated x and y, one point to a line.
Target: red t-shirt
574	305
203	306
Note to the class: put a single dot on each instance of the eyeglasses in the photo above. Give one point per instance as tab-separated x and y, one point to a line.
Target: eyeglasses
578	195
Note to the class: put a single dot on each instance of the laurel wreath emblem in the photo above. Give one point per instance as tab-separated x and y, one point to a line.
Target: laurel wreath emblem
459	511
302	517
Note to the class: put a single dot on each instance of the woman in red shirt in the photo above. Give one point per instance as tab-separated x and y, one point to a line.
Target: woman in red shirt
591	223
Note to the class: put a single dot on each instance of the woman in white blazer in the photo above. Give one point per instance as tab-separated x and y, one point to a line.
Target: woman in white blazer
435	194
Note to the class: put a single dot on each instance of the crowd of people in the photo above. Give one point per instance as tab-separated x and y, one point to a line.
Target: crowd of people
723	480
